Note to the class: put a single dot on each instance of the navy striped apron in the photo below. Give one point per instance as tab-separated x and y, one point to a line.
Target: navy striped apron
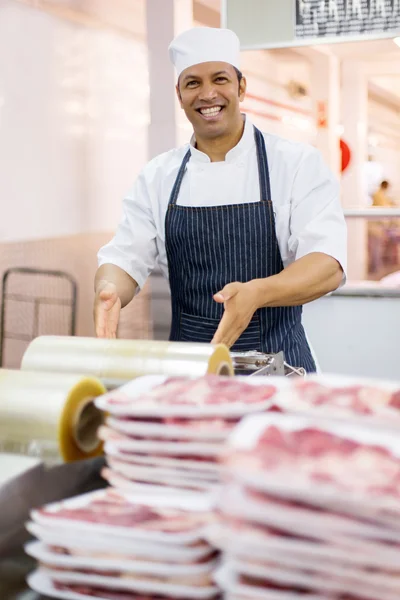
210	246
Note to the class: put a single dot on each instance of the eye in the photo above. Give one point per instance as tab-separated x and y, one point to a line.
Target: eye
221	79
191	84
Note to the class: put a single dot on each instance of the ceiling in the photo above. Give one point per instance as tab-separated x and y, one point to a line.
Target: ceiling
381	57
382	62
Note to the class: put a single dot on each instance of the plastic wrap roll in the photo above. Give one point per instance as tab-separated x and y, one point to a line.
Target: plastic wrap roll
117	361
49	415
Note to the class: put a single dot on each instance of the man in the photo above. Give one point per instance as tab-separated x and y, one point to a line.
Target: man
247	226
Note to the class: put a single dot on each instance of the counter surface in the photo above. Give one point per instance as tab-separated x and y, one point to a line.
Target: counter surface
368	289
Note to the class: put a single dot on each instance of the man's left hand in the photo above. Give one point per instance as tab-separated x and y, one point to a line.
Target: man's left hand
240	302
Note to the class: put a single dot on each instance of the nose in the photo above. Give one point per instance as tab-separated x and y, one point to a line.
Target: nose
208	92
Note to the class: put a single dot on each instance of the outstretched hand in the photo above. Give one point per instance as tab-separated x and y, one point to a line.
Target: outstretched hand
240	301
107	308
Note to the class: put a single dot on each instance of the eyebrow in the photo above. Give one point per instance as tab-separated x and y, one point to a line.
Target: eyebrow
190	76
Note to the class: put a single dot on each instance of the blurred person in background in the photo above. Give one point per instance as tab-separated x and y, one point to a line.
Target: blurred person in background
247	226
382	234
381	197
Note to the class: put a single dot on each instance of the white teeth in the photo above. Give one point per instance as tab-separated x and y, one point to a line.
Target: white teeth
210	111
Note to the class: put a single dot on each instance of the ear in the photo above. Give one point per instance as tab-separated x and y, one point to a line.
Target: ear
178	93
242	89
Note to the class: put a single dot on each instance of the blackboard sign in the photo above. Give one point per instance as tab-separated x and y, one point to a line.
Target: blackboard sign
337	18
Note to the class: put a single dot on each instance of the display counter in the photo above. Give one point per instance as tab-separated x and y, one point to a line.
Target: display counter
356	330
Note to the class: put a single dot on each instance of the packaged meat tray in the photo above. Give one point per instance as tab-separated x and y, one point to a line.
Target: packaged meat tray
115	514
163	447
371	401
272	594
161	474
212	429
40	582
179	587
57	557
170	487
256	540
104	546
315	502
199	463
344	573
301	519
209	396
235	586
303	458
312	580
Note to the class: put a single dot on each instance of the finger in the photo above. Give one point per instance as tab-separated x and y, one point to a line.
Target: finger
103	323
99	323
224	329
230	290
108	304
111	329
107	289
108	298
229	334
106	295
100	332
219	297
112	322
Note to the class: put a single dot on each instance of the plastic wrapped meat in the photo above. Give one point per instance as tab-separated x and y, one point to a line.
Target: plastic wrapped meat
208	396
112	512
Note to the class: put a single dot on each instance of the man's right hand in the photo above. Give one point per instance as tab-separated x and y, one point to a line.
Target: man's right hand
107	308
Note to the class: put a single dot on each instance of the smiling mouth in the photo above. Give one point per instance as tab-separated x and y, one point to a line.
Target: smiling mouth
211	112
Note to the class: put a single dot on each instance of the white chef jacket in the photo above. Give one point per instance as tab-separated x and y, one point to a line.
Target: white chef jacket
305	195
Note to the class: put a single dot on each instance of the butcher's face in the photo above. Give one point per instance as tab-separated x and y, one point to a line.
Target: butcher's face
210	94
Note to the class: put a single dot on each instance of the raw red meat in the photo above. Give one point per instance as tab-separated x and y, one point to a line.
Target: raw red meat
213	424
322	457
305	442
256	582
358	399
108	554
183	457
121	513
106	593
200	580
395	400
207	390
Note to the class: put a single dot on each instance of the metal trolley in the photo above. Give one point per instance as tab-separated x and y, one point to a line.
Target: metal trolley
254	363
34	302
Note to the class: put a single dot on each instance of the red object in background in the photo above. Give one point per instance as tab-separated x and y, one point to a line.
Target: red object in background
322	118
346	155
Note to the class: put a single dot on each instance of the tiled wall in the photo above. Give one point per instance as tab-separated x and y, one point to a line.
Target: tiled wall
75	255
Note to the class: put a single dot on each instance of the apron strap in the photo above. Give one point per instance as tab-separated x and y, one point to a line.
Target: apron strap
263	169
177	185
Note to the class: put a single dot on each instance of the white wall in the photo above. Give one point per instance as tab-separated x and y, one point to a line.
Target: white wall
73	121
117	124
268	102
384	141
41	164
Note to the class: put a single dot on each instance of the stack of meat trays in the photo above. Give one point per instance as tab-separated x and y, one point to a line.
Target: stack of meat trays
310	508
166	435
105	546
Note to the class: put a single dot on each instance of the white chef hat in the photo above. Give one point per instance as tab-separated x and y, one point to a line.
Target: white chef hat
204	44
